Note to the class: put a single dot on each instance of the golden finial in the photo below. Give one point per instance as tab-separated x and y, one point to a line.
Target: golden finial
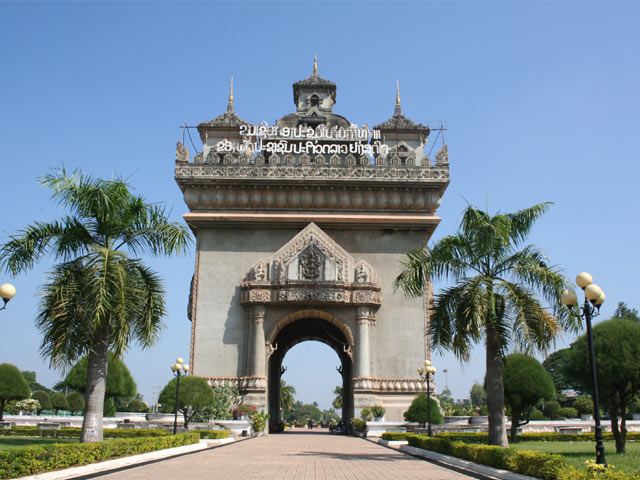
315	64
397	92
231	92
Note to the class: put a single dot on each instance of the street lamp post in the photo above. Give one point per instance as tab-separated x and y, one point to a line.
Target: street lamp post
593	298
427	371
7	292
177	369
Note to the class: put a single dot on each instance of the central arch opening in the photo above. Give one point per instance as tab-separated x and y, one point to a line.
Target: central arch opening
301	330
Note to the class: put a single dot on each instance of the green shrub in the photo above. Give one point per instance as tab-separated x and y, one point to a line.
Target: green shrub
568	412
377	411
365	414
18	462
74	432
213	433
536	414
539	465
259	421
552	410
394	436
584	405
359	425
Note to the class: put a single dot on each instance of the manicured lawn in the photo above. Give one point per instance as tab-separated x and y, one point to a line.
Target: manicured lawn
577	453
12	442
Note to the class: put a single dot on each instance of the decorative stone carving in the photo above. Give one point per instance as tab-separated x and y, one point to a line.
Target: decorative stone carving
247	383
310	264
312	235
198	158
364	273
391	385
182	153
442	157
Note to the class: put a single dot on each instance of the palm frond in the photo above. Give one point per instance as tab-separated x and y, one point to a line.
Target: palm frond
522	221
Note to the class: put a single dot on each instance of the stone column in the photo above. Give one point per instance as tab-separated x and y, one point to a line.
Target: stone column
365	318
257	354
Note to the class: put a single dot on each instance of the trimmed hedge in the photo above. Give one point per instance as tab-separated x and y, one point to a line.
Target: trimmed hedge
213	433
394	436
472	437
74	432
18	462
534	464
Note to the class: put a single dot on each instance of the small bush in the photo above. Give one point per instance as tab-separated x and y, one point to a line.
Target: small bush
366	415
74	432
536	414
568	412
359	425
584	405
377	411
552	410
18	462
394	436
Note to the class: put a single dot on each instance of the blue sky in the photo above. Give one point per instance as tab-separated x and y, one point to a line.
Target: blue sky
541	102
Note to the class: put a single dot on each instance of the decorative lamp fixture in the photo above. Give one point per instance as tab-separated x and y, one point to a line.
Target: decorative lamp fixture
178	368
7	292
593	298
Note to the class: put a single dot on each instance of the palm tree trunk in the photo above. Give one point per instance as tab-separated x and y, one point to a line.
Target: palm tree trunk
92	429
515	423
495	390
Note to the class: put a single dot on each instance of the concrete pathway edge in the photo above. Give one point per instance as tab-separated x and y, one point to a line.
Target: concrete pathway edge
117	463
482	471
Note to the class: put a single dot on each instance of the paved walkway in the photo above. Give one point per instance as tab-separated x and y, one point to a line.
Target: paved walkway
299	456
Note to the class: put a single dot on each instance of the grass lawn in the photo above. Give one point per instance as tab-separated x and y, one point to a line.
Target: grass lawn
577	453
12	442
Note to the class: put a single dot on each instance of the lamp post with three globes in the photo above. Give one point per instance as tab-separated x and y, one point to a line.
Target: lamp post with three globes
427	371
594	297
177	368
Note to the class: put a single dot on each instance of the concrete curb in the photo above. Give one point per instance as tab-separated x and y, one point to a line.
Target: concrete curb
476	470
120	463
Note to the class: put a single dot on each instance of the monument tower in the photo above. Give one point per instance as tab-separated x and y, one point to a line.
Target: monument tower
301	227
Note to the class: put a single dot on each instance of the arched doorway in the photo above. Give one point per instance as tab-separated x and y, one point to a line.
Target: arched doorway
295	332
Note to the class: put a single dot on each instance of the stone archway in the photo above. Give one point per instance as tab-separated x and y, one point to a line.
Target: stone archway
294	330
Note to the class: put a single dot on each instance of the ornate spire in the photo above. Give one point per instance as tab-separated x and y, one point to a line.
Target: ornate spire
398	110
230	104
315	65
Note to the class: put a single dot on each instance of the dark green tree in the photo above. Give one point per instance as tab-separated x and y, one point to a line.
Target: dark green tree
195	395
12	386
617	347
137	406
43	399
97	299
552	410
302	412
526	383
555	365
30	378
119	385
58	402
76	403
478	395
493	297
418	411
625	312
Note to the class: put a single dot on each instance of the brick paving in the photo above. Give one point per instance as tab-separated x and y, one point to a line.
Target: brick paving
295	455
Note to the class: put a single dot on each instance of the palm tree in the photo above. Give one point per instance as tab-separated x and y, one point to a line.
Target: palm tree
97	299
337	402
287	393
493	295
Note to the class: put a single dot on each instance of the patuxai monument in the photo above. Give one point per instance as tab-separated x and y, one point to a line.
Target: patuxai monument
301	228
